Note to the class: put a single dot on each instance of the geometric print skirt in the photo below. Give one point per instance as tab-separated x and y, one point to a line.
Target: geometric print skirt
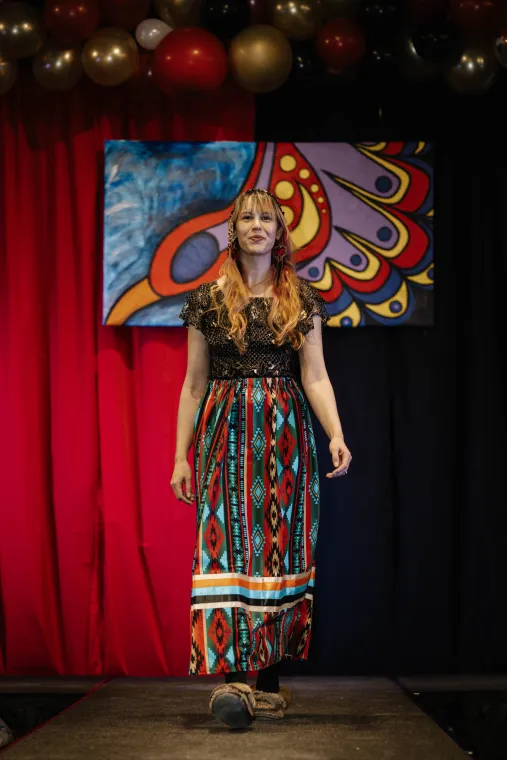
257	495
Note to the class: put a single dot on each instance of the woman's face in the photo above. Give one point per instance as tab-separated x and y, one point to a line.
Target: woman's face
256	229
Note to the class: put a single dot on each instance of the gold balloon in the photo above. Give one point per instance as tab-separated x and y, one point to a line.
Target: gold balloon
110	57
8	74
178	12
297	19
117	33
21	30
260	58
58	69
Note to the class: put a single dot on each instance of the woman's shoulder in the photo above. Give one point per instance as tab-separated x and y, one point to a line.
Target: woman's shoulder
202	292
312	302
205	286
305	287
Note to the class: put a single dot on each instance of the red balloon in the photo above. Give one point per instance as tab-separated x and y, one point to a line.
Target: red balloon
341	43
126	14
476	17
71	21
190	59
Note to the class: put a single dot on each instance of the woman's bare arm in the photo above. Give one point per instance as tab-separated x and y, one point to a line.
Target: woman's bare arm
194	387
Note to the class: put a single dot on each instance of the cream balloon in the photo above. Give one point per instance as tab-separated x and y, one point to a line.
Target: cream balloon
110	57
260	58
8	74
151	32
58	69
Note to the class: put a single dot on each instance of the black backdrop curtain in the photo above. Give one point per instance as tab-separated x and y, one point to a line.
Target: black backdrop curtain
412	549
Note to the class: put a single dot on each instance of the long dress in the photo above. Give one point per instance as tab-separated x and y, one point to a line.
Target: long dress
257	495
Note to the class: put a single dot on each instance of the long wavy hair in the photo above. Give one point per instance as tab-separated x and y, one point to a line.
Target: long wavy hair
284	313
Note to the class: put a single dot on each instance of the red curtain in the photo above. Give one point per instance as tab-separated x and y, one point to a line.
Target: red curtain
95	551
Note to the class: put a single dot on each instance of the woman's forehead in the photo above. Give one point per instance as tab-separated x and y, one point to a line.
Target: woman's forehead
257	203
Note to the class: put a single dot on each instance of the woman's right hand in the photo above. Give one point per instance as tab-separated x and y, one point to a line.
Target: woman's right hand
182	474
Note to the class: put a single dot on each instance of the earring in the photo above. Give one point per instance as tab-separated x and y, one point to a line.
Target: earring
279	252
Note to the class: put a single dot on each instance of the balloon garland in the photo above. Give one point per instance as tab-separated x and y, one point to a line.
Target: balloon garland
192	46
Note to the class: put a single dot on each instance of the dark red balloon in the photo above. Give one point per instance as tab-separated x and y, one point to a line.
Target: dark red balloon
71	21
126	14
341	43
190	59
476	17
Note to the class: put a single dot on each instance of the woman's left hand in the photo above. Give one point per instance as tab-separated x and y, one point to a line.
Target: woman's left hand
340	456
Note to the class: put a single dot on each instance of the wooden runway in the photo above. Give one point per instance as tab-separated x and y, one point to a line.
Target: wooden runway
150	719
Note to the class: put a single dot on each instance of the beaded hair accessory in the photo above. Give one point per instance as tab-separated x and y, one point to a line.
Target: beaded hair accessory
279	250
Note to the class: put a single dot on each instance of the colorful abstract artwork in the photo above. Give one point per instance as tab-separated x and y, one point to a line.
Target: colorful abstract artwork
361	215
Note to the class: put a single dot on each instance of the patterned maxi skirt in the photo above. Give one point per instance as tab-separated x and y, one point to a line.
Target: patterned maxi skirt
257	494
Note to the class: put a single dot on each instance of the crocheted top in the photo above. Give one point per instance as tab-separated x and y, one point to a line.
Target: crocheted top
262	357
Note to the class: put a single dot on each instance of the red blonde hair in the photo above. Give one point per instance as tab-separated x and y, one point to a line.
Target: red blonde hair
284	313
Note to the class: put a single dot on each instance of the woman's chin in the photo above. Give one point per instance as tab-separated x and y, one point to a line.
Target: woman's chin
255	250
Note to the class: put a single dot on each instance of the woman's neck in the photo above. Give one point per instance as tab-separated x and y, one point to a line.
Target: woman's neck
258	283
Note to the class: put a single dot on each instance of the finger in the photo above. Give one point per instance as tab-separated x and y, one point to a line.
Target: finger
346	460
342	470
180	495
188	487
336	454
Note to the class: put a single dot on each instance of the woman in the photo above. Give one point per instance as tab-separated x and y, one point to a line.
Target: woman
257	480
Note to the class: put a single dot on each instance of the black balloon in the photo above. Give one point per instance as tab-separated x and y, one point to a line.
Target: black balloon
225	19
412	66
378	11
381	60
341	8
381	57
305	61
437	42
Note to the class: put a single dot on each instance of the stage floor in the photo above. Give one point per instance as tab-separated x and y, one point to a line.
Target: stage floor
152	718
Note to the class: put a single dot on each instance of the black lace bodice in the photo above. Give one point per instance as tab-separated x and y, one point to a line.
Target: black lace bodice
262	357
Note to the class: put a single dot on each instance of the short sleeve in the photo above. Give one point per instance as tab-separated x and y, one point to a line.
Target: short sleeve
311	303
193	308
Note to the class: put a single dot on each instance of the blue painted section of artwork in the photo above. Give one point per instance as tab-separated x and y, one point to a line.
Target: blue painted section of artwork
150	187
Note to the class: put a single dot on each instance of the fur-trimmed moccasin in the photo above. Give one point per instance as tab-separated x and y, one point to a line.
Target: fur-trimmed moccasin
233	704
272	705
